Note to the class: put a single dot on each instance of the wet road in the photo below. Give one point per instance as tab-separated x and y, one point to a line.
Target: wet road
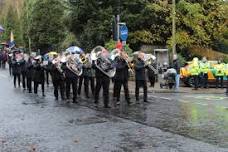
168	123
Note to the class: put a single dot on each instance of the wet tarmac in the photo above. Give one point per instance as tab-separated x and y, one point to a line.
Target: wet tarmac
168	123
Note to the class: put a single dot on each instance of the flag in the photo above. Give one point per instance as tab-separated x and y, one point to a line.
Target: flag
1	29
12	42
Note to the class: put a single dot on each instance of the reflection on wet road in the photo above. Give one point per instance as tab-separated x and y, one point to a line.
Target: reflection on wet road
200	116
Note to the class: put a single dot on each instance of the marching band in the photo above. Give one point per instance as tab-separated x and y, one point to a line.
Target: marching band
68	70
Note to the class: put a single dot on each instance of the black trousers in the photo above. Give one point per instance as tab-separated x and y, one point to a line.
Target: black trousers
10	69
47	77
117	88
17	78
141	83
196	81
81	78
3	64
219	82
104	83
29	84
152	80
58	85
71	82
204	80
88	80
24	80
36	84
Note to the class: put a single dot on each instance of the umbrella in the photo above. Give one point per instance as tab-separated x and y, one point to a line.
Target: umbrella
74	50
49	56
52	53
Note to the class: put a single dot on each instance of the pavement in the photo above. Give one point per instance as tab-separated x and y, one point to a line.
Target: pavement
170	122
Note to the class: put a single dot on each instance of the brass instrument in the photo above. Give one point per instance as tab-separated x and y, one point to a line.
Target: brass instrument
117	53
130	62
83	58
103	61
58	63
148	59
74	64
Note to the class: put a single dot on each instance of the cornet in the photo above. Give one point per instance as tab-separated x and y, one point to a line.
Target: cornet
83	59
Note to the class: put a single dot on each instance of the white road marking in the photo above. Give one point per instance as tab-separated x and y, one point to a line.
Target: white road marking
202	104
165	98
184	101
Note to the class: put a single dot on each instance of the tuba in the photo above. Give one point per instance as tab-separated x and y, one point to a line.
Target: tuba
103	62
74	64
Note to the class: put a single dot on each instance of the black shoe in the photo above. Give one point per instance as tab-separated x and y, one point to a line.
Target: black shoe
75	101
146	101
43	95
56	99
129	102
95	102
107	106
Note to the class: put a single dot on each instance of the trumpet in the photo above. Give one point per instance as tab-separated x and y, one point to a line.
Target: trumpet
130	63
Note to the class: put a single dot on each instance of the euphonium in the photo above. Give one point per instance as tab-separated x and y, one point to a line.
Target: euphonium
58	63
148	59
74	64
101	58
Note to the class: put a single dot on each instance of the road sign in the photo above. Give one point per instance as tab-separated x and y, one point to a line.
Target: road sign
123	32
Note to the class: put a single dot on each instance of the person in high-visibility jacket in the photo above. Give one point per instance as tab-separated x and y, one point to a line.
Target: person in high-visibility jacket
195	71
226	72
204	69
219	74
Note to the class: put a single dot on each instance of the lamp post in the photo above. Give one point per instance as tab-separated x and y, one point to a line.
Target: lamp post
117	20
174	26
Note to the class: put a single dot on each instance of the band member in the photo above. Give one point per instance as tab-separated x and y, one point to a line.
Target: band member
103	81
151	74
121	78
47	72
57	79
140	76
29	73
4	59
71	80
10	63
23	73
81	78
16	70
39	76
87	76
